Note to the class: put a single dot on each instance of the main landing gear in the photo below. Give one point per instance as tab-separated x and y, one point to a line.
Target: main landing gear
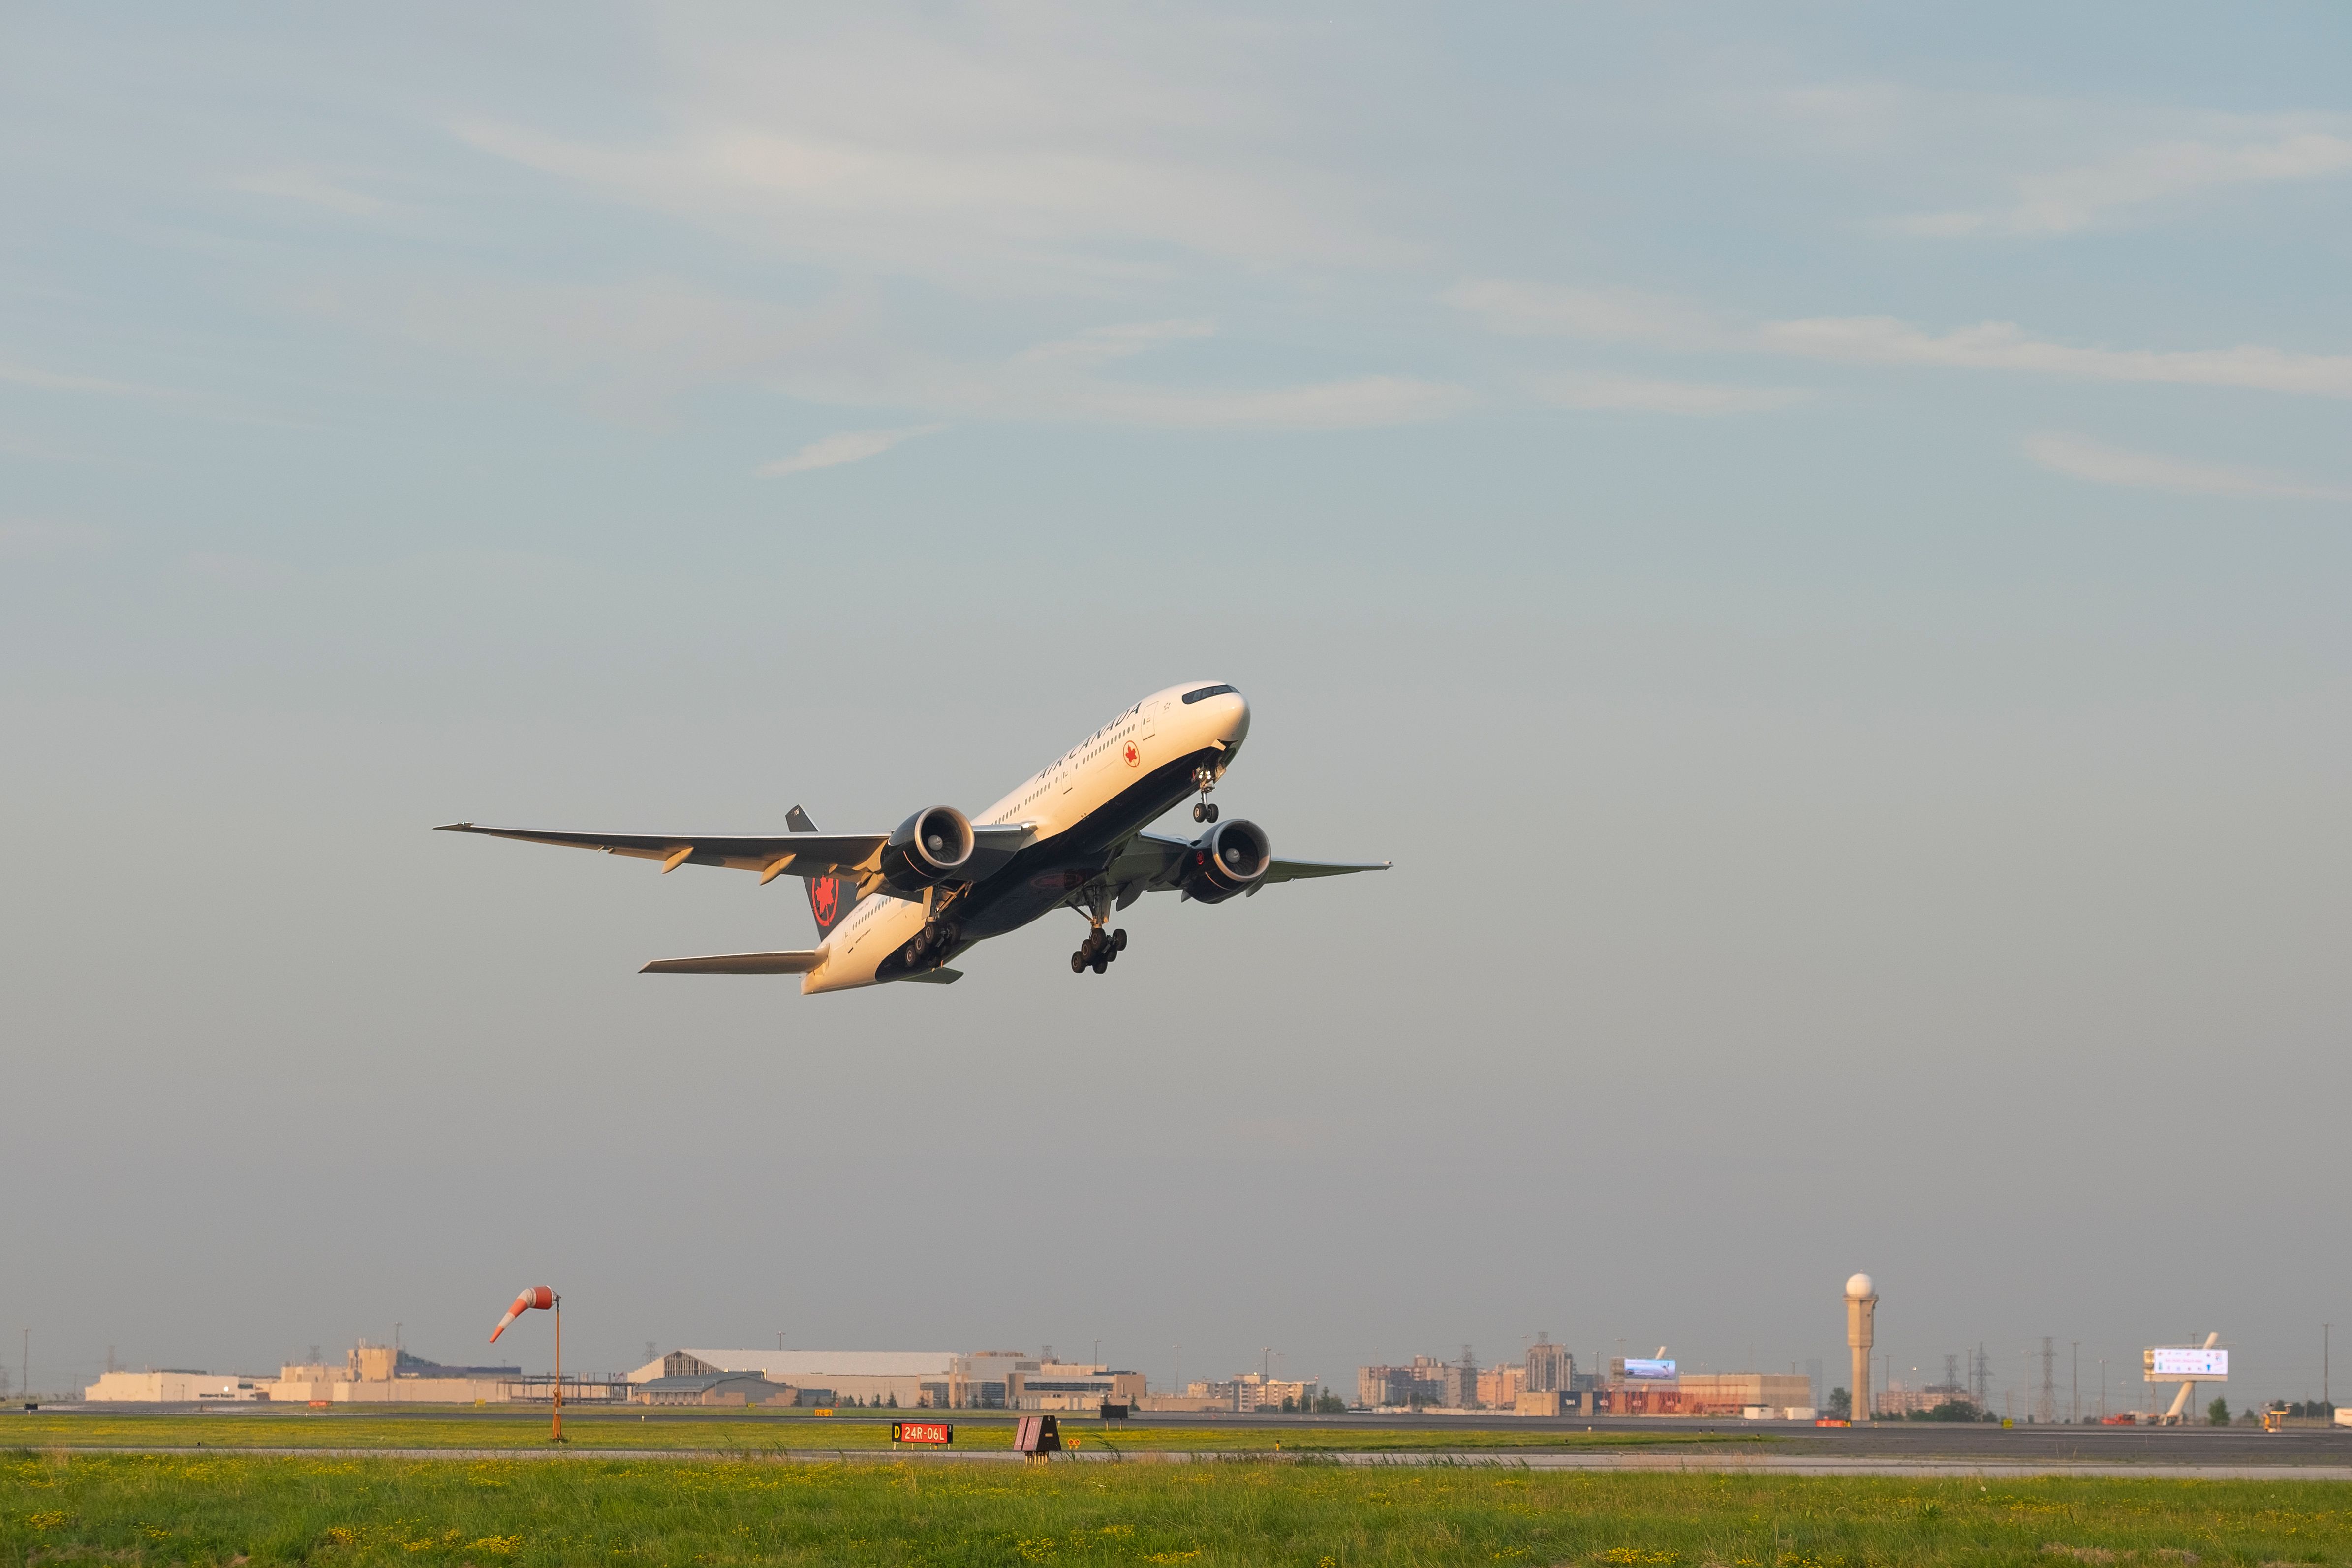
931	945
1097	950
1205	779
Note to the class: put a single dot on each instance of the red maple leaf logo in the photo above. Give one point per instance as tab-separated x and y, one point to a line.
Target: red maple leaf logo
824	899
1133	756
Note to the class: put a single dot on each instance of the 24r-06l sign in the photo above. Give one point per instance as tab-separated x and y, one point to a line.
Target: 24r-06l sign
922	1432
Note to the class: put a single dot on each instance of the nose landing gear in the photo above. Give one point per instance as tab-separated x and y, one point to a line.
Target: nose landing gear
1205	779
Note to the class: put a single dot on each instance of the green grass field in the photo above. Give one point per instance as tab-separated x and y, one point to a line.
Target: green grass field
757	1433
219	1508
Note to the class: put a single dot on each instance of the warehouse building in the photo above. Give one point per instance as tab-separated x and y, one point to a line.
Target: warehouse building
887	1379
743	1388
369	1375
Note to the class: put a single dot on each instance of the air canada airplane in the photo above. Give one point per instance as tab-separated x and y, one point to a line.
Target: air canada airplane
898	906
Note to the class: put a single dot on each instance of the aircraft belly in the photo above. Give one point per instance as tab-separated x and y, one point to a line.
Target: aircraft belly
1040	877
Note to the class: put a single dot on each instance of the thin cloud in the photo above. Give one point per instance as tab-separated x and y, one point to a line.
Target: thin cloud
205	405
311	188
1360	402
2006	346
64	381
1640	395
2070	201
41	539
989	152
2079	457
1117	343
1604	315
1524	309
845	446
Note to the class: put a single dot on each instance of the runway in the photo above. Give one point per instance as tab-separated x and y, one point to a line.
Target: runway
1699	1463
1909	1443
1889	1449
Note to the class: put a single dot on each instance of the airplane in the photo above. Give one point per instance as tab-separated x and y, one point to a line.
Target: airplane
898	906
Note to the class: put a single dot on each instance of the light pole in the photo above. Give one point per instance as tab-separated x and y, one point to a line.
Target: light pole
539	1296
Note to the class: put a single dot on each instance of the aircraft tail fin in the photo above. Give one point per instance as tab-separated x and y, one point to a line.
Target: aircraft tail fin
830	898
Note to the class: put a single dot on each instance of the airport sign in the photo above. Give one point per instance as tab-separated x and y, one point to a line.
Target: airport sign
921	1432
2170	1364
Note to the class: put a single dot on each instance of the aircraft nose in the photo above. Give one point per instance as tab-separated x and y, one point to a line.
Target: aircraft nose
1237	721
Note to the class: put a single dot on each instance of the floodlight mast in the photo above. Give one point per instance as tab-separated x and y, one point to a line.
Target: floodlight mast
541	1296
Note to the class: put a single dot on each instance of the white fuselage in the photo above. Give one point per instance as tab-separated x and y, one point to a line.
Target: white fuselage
1060	802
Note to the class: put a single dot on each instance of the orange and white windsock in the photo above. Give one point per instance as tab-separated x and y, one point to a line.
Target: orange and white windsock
534	1296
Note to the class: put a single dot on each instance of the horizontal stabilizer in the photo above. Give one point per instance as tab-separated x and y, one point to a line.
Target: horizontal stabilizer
797	962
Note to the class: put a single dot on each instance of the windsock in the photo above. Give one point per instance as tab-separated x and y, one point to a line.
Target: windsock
532	1296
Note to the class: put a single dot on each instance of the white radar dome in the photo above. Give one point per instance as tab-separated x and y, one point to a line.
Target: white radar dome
1858	1288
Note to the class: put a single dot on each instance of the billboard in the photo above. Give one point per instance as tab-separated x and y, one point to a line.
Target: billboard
2172	1364
1648	1370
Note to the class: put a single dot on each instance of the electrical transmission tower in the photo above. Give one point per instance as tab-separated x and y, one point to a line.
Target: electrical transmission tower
2048	1411
1952	1372
1980	1378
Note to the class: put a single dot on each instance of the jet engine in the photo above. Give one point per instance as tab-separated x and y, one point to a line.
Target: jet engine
1226	860
928	847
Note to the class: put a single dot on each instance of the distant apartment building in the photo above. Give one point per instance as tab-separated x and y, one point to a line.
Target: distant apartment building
1461	1383
1425	1381
1898	1400
1499	1386
1549	1368
1251	1392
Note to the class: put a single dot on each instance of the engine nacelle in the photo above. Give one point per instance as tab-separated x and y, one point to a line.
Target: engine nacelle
928	847
1226	860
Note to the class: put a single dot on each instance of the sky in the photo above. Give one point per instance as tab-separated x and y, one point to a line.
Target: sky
1816	540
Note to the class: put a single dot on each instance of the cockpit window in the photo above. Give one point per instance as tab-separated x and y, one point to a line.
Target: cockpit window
1207	692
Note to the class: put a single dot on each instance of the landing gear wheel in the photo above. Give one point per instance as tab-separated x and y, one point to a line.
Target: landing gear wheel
1078	963
1200	811
1210	811
1119	939
1102	962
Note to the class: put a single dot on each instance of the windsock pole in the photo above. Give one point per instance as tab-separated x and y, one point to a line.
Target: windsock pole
542	1297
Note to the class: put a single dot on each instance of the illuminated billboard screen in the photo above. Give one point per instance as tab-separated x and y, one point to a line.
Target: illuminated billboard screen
2187	1362
1649	1369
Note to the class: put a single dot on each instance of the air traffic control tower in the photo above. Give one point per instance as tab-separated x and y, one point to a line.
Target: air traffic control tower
1861	1307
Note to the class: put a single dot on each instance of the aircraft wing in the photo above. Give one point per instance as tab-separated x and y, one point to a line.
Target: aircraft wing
812	854
1150	859
1299	870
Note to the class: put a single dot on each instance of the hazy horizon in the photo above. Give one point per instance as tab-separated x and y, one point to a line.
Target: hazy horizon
1816	541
